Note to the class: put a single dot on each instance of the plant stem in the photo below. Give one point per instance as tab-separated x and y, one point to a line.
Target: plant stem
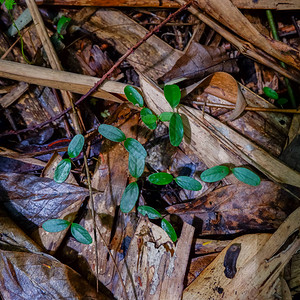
276	37
108	73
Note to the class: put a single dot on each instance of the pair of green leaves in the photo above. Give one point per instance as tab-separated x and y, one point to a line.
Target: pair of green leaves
63	169
152	213
219	172
78	232
137	153
273	95
172	94
185	182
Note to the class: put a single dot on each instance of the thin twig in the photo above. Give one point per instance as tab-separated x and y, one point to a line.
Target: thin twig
250	108
107	74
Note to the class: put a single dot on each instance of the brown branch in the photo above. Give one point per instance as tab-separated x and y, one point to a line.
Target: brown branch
107	74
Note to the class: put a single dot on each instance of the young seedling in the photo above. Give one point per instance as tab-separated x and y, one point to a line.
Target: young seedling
273	95
78	232
219	172
152	213
63	169
173	95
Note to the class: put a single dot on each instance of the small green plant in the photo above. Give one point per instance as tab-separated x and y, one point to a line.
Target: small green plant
9	4
78	232
152	213
273	95
62	25
136	166
63	169
173	95
219	172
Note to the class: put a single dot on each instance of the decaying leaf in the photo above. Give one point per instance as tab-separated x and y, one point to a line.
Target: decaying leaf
199	61
239	207
33	200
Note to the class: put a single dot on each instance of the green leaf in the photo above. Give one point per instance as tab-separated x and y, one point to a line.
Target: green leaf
136	165
151	212
168	228
81	234
172	94
176	130
9	4
129	198
55	225
165	116
188	183
112	133
215	174
148	118
270	93
135	148
62	24
62	170
246	176
282	101
133	95
161	178
76	145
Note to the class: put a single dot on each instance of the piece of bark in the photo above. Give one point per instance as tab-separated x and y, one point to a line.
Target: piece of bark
238	208
199	61
197	265
212	282
205	135
243	4
156	265
153	58
256	278
244	47
14	94
227	13
76	83
206	246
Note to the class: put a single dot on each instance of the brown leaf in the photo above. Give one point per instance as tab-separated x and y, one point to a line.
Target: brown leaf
239	207
39	276
32	200
199	61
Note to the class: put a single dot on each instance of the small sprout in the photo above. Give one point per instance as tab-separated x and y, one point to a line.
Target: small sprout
112	133
129	197
62	25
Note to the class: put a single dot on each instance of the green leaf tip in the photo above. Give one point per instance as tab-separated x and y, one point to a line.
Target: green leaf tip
169	229
172	94
62	170
76	145
214	174
81	234
245	175
134	96
112	133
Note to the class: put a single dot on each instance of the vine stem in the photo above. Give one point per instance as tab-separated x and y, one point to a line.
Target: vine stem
107	74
